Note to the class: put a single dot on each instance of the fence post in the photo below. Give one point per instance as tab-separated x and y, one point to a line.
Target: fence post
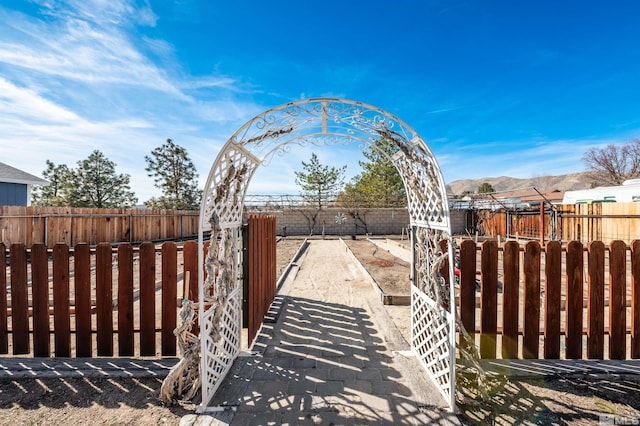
541	223
61	311
617	300
104	299
489	299
575	279
468	286
510	299
635	299
531	338
125	300
552	287
40	297
4	335
147	299
82	287
169	297
595	301
19	299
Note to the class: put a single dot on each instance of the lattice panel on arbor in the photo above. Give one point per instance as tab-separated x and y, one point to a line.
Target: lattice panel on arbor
219	354
425	192
227	185
430	328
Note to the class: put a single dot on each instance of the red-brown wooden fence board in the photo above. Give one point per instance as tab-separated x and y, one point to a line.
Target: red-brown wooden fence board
126	343
635	299
147	299
40	300
489	299
190	256
190	270
531	338
574	308
19	299
4	335
617	300
595	301
552	298
169	297
261	268
104	299
468	285
510	299
61	311
82	291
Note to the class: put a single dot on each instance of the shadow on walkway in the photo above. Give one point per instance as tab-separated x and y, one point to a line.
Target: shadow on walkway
322	363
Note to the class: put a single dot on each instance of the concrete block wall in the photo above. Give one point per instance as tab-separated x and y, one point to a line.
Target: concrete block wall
378	221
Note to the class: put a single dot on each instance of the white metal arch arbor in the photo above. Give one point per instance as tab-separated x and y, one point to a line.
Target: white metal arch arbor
324	121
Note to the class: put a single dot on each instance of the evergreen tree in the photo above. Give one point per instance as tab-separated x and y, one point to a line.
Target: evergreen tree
175	174
318	181
56	193
379	184
95	183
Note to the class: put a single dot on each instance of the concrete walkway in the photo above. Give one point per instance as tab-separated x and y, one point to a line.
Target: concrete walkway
332	357
399	250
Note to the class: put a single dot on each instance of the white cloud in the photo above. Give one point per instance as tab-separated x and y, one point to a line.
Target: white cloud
79	49
26	103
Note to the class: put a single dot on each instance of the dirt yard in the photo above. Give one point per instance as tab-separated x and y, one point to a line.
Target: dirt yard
571	400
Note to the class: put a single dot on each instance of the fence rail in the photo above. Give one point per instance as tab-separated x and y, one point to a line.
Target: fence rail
553	301
53	225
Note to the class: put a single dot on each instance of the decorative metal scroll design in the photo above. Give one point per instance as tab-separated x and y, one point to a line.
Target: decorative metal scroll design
320	122
430	266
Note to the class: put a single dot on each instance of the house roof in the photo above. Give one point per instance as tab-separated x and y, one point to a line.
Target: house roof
10	174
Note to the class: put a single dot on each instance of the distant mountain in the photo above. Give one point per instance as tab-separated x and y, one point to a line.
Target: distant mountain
568	182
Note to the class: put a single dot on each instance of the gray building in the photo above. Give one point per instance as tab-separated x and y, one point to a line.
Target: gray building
15	186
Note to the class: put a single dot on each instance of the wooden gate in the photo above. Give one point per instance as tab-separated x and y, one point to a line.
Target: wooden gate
260	271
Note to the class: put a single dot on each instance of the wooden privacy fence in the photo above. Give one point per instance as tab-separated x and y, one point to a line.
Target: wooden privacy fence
554	302
581	222
53	225
119	293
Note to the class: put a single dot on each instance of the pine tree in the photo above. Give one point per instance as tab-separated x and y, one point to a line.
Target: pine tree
318	181
56	193
95	183
175	174
379	184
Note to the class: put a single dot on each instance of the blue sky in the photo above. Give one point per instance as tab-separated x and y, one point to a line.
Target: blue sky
496	88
